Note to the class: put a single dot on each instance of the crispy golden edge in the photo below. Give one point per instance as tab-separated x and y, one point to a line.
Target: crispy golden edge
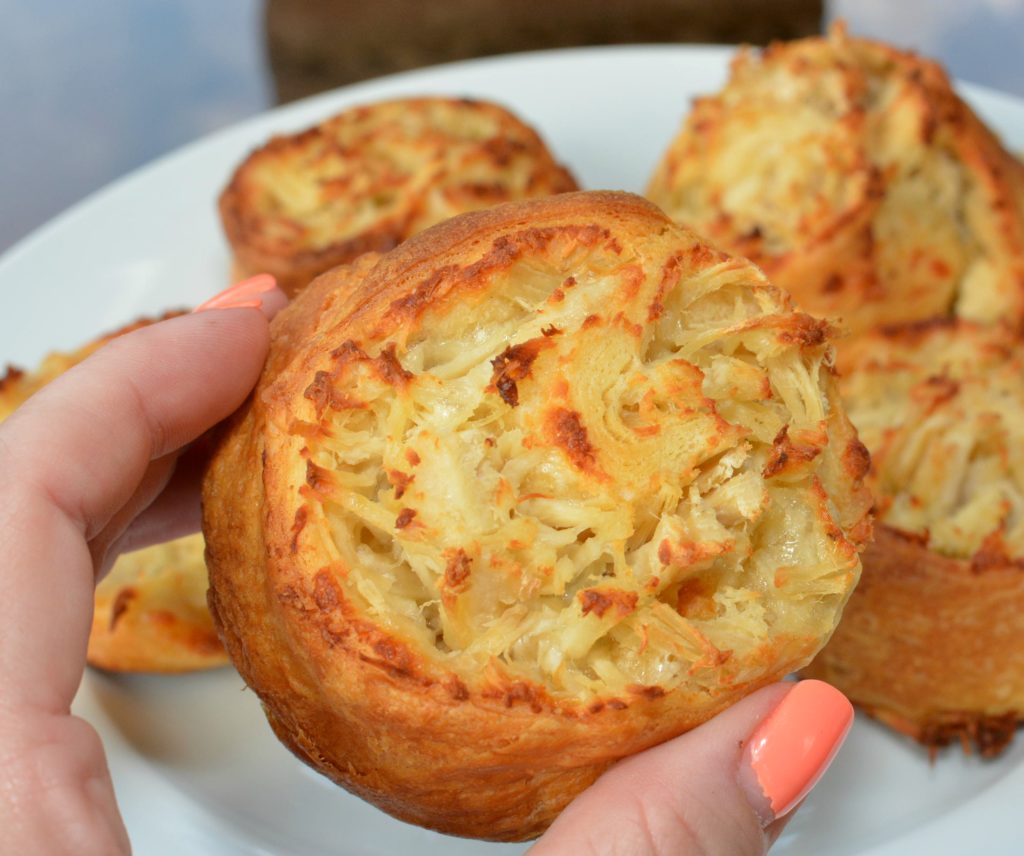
926	643
281	657
296	265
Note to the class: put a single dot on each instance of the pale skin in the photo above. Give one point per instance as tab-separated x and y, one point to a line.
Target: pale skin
97	463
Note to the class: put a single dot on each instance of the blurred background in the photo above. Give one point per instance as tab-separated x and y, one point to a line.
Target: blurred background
90	91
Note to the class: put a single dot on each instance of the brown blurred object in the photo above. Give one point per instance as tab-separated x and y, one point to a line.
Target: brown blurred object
320	44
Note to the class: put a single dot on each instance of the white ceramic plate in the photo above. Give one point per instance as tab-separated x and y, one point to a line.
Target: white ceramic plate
196	767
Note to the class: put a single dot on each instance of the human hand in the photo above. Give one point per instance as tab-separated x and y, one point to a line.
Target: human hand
726	788
97	463
93	465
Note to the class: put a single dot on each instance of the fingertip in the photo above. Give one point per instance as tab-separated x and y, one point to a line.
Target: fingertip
729	785
790	750
684	795
256	292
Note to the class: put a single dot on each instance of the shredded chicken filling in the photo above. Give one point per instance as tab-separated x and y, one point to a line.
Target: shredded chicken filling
943	415
589	494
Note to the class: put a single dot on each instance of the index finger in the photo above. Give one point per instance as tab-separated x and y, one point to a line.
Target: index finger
75	453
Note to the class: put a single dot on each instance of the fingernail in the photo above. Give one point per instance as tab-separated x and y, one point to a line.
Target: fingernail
257	292
791	749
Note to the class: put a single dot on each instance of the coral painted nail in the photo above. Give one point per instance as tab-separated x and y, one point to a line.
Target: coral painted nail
258	292
791	749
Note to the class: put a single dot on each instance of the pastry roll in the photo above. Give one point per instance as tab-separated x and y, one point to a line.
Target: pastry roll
544	486
373	175
856	177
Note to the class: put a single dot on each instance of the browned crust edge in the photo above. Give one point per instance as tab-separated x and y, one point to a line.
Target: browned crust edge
927	641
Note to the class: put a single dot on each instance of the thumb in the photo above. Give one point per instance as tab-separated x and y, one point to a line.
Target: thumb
723	788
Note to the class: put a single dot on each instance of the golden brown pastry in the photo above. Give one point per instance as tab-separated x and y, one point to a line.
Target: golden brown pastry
372	176
932	641
151	613
544	486
854	175
150	610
